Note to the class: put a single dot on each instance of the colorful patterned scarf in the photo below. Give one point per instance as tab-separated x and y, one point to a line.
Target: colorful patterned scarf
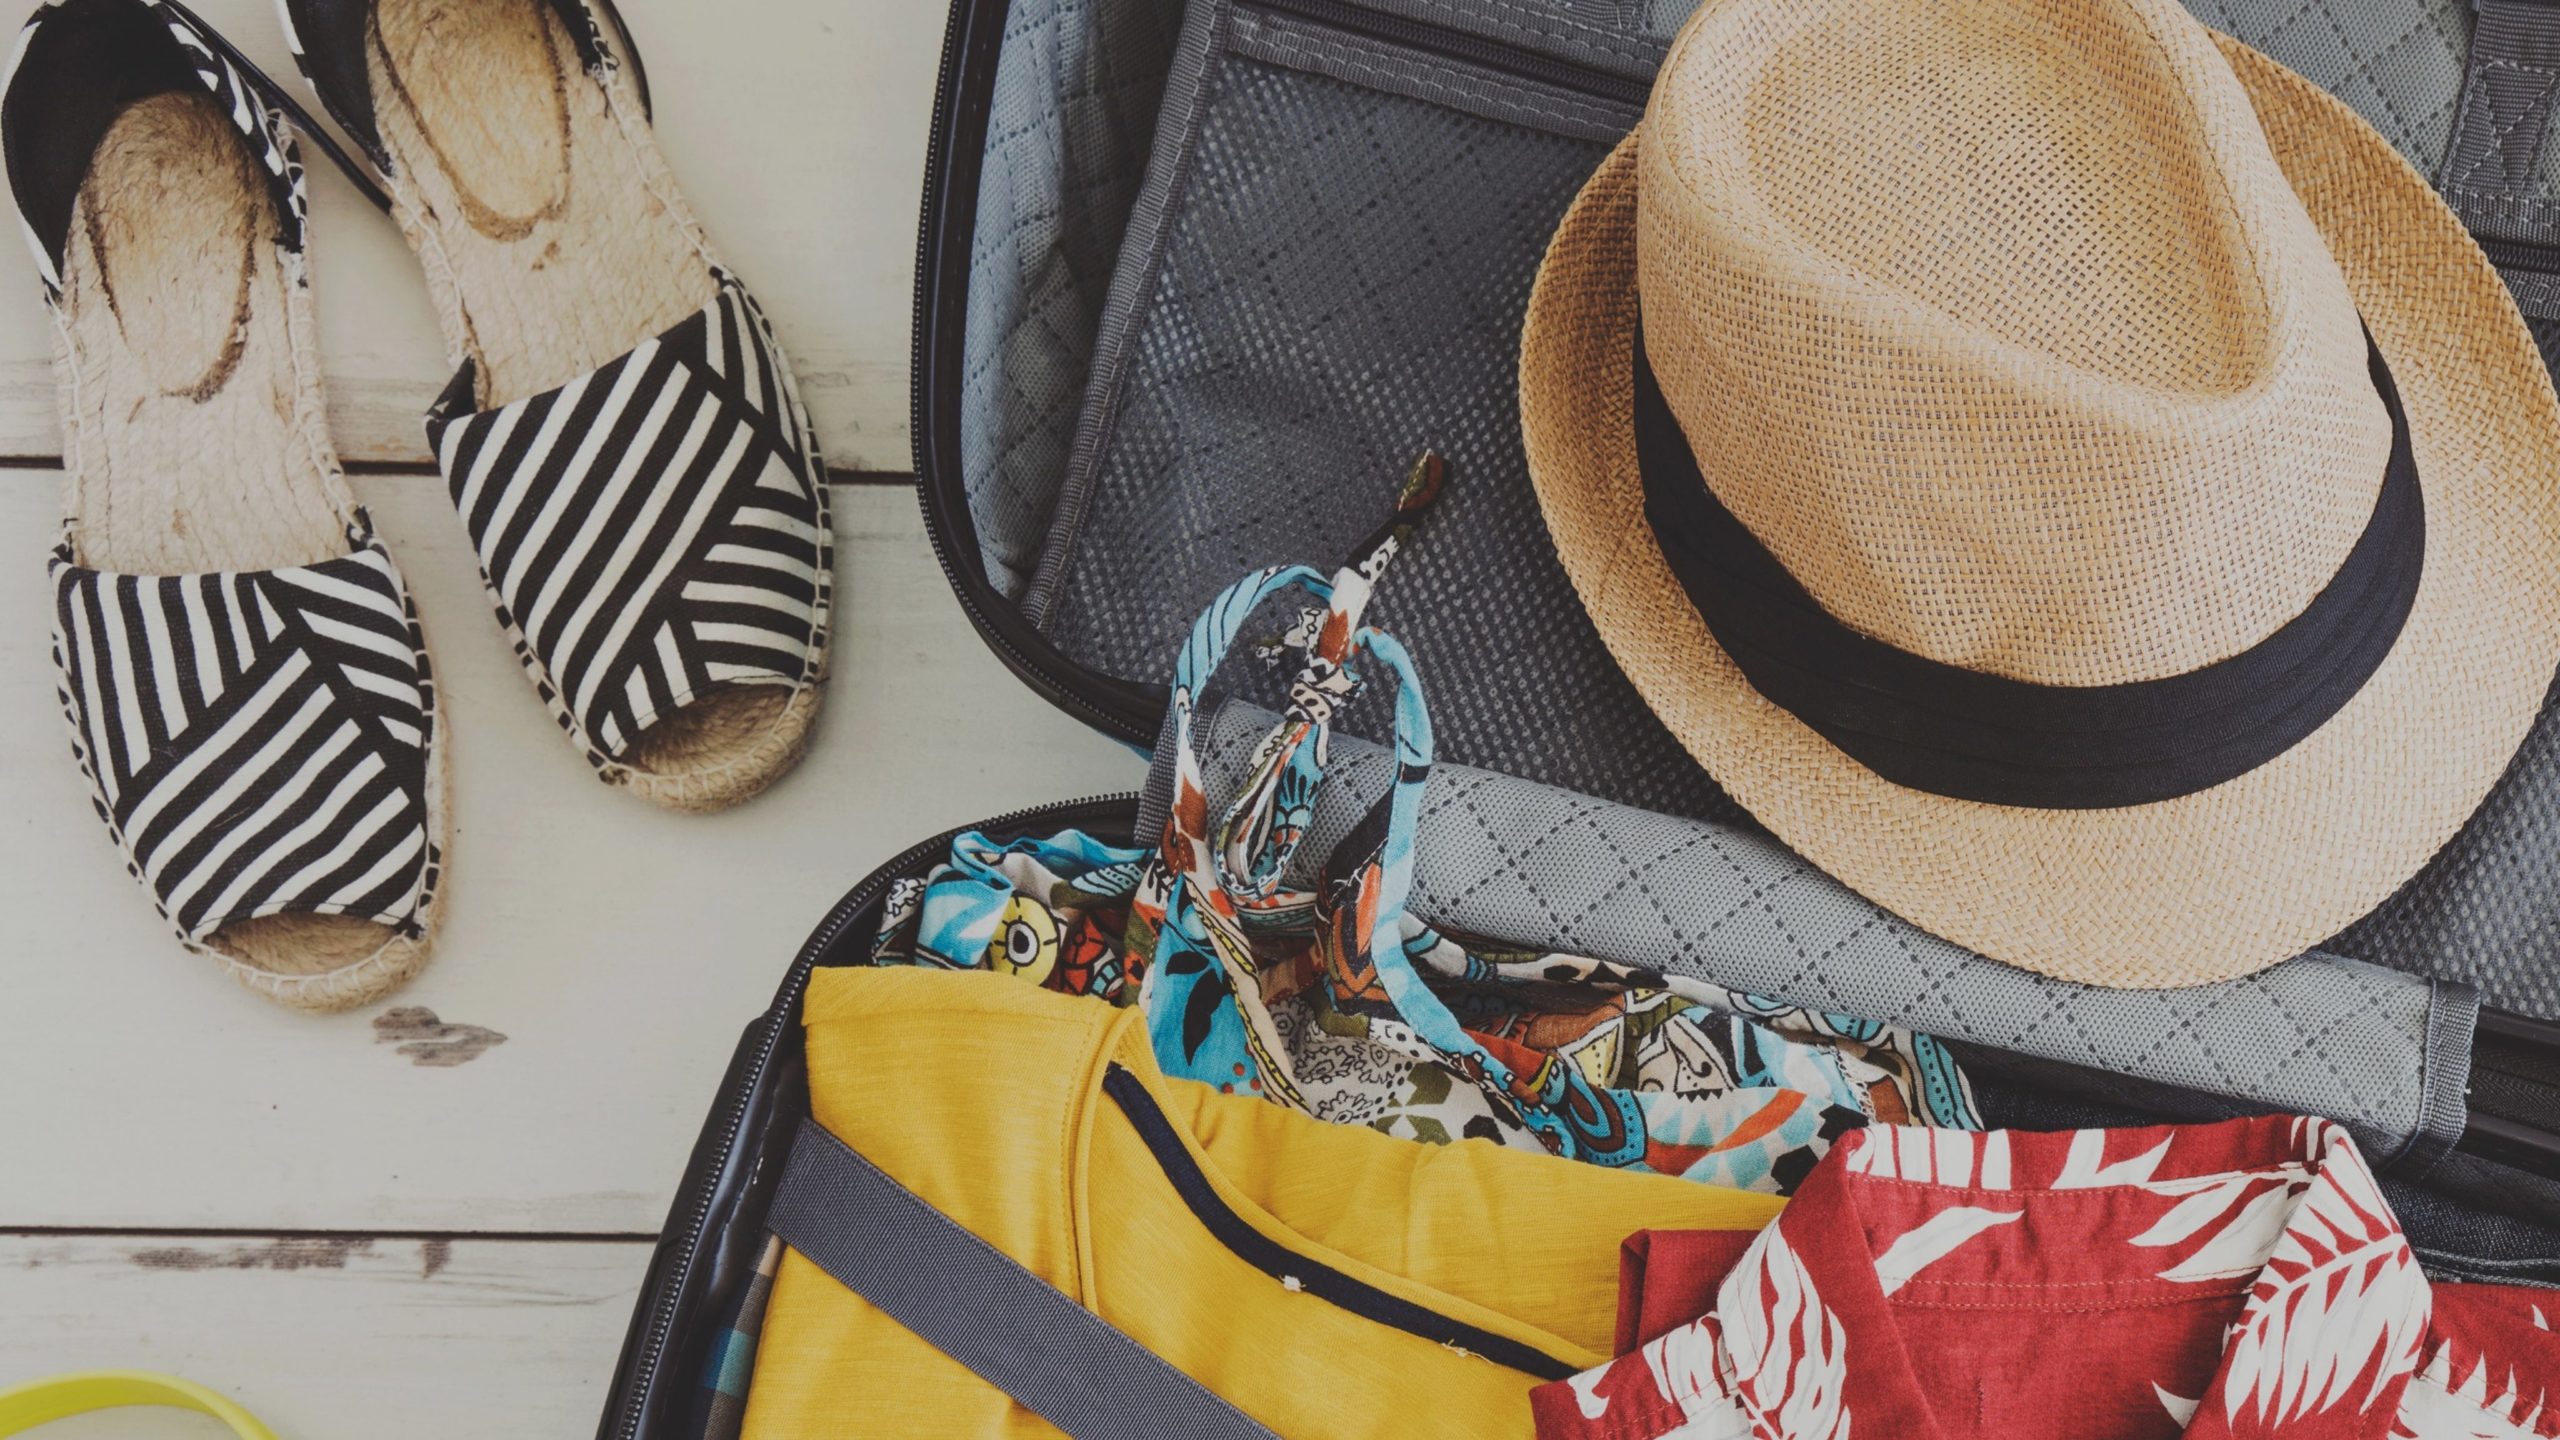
1338	1002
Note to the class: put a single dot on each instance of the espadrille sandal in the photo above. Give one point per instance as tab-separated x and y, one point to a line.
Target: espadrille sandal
247	688
622	435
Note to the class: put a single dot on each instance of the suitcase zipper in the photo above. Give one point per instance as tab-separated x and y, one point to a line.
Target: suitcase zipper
994	628
2515	1063
861	898
1469	49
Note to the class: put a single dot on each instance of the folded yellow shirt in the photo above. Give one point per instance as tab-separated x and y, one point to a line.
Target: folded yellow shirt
1193	1221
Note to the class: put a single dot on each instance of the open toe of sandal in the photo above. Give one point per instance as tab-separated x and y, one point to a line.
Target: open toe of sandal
247	688
623	435
654	536
263	747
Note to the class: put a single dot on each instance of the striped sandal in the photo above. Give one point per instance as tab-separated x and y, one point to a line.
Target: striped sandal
622	436
246	685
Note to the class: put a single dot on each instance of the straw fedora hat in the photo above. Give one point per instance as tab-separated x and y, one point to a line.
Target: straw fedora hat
2058	469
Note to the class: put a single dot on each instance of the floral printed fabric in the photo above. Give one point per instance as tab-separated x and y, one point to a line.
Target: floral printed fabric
2236	1280
1337	1002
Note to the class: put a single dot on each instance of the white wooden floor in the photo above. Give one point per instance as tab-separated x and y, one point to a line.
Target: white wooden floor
429	1218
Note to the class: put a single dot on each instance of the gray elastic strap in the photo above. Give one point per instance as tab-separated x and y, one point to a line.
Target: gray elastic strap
2452	1022
979	1306
2505	106
2493	165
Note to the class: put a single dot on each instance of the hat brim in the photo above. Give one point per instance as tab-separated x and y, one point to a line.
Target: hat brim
2207	886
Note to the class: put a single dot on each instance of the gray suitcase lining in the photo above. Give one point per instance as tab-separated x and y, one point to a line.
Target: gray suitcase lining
1321	279
1328	241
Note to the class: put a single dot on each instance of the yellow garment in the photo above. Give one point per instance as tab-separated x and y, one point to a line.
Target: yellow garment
987	1098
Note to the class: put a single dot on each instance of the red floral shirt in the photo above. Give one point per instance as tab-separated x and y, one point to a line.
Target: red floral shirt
2236	1280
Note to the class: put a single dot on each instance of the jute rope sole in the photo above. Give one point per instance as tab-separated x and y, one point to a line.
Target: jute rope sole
554	239
192	413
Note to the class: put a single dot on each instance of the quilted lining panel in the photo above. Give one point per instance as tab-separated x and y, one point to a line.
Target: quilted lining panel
1527	864
1073	114
2398	62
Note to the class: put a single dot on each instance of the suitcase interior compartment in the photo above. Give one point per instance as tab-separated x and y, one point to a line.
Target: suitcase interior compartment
1069	113
1198	281
1719	922
1048	128
2458	1207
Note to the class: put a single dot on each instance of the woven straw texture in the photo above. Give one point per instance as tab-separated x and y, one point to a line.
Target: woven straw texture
2052	375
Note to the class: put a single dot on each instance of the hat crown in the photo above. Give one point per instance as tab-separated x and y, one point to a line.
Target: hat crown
1997	323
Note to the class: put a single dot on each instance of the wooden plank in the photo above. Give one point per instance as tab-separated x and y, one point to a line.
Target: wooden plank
797	128
617	948
328	1337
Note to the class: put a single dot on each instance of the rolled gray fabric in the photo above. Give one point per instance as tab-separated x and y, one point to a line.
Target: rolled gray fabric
2385	1053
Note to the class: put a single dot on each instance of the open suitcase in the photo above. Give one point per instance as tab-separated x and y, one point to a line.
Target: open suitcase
1197	280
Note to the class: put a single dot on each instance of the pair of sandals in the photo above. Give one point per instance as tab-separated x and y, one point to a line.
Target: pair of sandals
247	685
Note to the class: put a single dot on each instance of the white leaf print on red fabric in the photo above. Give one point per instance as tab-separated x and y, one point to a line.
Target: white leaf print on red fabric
2431	1410
1787	1349
2084	1168
1941	1157
2252	1209
2328	1342
1688	1364
1934	1239
2340	1297
1725	1421
1686	1373
2496	1402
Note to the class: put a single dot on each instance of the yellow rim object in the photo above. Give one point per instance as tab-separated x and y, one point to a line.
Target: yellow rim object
41	1402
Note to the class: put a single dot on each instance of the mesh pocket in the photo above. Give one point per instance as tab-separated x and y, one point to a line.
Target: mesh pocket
1343	287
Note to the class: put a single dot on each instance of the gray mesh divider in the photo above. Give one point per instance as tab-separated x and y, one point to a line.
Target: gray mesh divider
1342	288
1527	864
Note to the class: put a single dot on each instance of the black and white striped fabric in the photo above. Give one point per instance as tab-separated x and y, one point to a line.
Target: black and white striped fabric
259	742
652	530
